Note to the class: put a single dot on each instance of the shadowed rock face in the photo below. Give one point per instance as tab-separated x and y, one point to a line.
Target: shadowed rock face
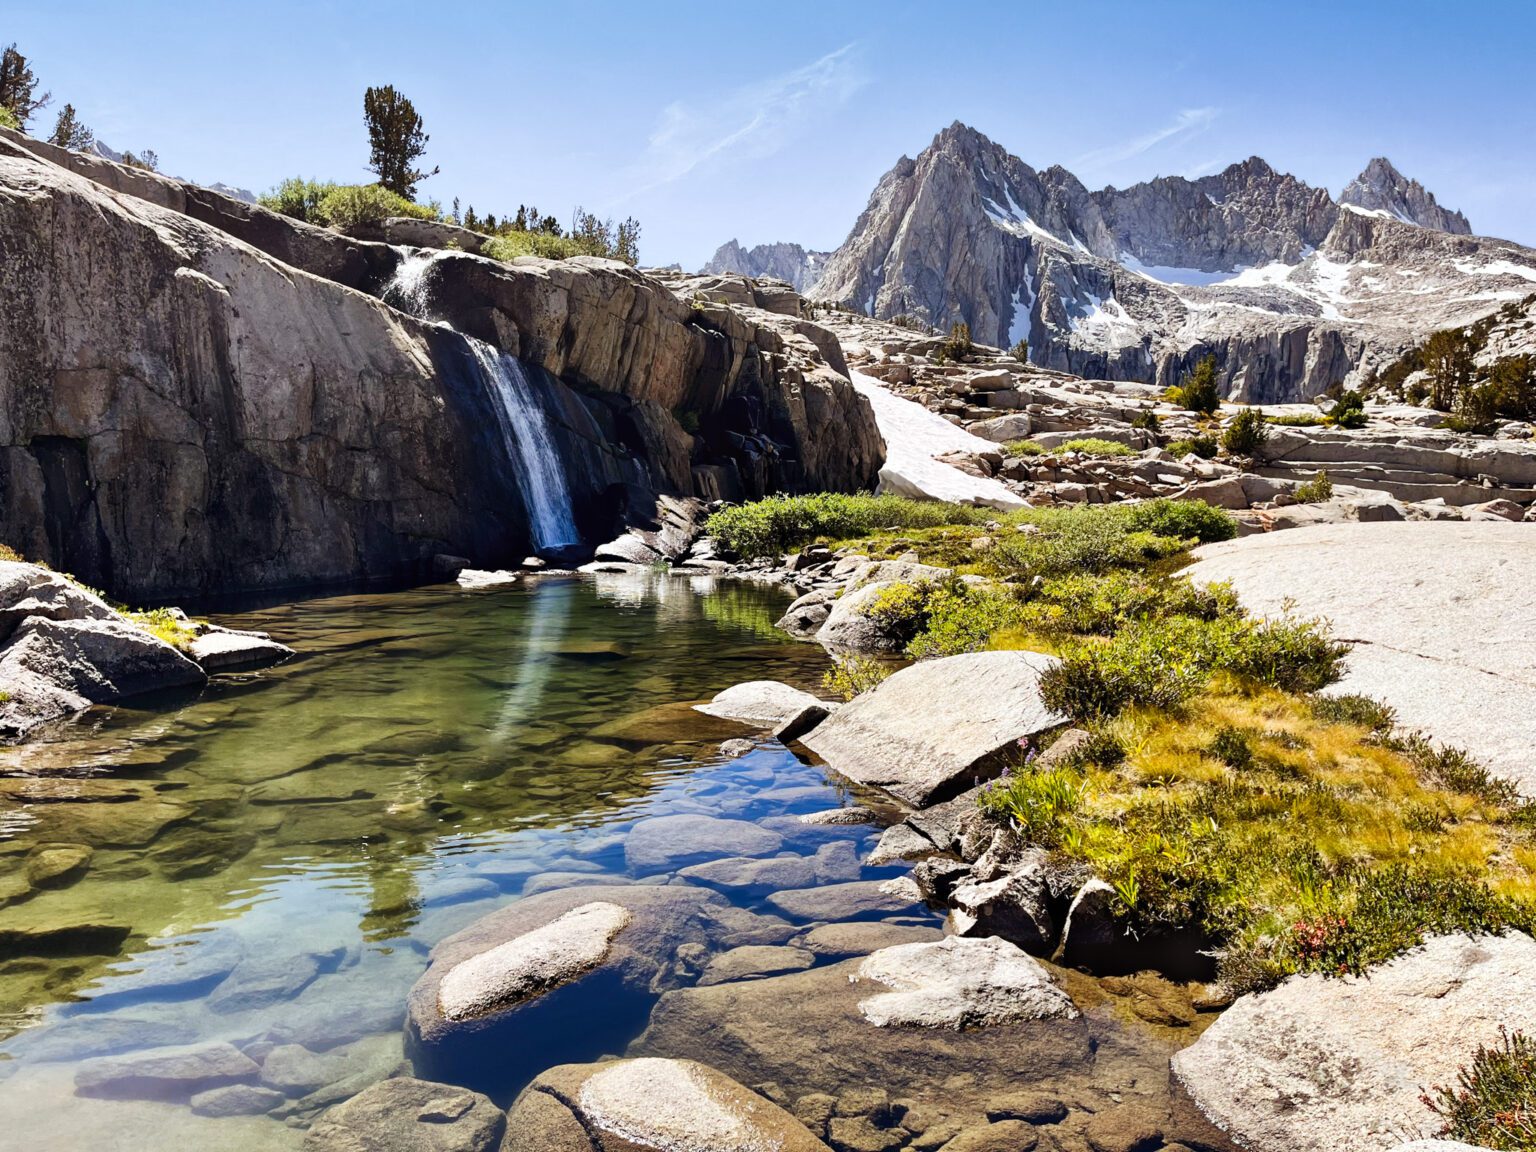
184	411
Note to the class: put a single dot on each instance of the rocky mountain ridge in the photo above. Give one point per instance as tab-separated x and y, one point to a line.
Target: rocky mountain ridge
788	262
1288	289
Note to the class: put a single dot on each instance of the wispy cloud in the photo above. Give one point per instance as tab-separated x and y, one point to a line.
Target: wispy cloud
752	121
1189	122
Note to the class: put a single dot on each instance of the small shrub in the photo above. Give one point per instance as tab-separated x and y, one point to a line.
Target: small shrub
962	619
1147	421
1086	604
1204	447
299	198
1374	715
1493	1104
1349	410
510	245
1103	749
1094	681
1233	747
1296	420
351	206
1289	654
958	346
164	623
1093	446
1454	769
9	553
1183	519
1199	392
1036	802
1318	490
850	676
1246	434
900	612
1020	351
8	119
1025	448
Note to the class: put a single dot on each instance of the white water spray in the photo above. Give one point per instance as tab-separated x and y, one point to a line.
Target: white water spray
530	447
408	288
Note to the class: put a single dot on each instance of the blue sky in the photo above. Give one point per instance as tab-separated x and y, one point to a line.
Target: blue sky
774	121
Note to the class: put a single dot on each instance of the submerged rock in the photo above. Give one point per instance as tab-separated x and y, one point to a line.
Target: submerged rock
1335	1065
405	1115
577	968
807	1033
664	842
625	1105
857	899
165	1073
931	729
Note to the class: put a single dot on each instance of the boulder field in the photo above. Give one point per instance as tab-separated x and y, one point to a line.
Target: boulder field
198	395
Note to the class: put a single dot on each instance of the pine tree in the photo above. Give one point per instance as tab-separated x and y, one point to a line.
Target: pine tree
68	132
395	140
17	84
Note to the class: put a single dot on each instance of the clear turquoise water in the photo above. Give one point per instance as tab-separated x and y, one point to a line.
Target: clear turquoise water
273	858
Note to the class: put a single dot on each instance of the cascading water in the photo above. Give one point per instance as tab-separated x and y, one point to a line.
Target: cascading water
407	289
526	436
530	447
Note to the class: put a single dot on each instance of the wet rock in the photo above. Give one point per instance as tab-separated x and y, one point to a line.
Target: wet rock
1090	933
171	969
763	703
554	881
56	865
805	1031
295	1070
1128	1128
1002	1136
80	1037
225	650
755	960
832	862
804	618
848	629
731	749
459	890
860	939
236	1100
932	728
937	876
84	937
648	1103
473	579
666	842
898	842
838	816
666	724
1295	1069
518	974
859	1134
164	1073
858	899
1030	1107
1015	906
797	725
960	983
405	1115
261	980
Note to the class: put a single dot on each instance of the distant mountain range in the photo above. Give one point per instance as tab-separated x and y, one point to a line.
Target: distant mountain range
1290	289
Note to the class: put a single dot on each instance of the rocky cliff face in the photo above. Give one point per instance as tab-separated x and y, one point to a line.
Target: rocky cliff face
188	408
788	262
1382	188
1289	291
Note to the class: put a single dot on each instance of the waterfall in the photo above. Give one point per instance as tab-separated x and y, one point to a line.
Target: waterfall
530	447
407	288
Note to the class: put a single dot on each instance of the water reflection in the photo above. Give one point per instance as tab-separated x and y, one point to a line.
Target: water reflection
269	863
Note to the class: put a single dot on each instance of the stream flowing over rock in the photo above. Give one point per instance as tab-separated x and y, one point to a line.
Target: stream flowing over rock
220	404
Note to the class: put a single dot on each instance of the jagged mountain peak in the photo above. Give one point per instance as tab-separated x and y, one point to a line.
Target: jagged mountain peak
781	261
1381	188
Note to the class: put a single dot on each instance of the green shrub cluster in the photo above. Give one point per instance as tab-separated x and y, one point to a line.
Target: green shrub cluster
1094	446
8	120
1246	434
1318	490
342	206
779	524
1025	448
1297	419
1199	392
1204	447
1162	663
852	675
1348	410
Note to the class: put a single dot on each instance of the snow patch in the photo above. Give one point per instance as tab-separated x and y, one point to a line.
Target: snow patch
913	438
1189	277
1496	268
